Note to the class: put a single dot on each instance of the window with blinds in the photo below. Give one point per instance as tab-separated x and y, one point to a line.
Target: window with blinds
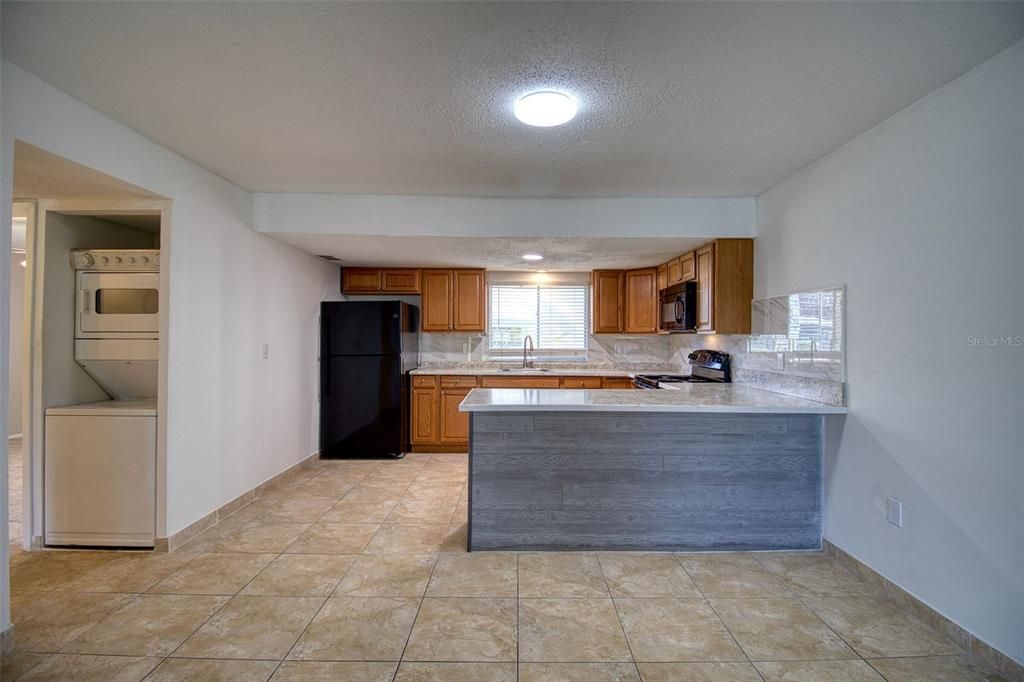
554	315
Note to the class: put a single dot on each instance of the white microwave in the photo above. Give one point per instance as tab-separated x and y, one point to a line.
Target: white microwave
117	305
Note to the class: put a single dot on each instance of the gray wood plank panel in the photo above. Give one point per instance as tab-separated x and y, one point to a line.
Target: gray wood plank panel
558	460
645	481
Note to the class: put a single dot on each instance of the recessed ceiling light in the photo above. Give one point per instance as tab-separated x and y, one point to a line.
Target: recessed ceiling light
533	256
545	108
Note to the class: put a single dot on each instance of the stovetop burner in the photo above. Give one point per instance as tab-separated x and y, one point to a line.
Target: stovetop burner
680	379
708	367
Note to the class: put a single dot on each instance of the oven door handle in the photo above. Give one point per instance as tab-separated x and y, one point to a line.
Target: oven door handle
86	301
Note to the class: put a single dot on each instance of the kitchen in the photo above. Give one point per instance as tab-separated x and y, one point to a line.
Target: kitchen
608	341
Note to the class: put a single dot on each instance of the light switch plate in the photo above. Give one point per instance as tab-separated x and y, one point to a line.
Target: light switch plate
894	511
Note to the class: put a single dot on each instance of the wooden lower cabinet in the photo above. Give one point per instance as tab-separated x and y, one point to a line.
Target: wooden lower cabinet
520	382
439	426
454	424
581	382
437	423
424	410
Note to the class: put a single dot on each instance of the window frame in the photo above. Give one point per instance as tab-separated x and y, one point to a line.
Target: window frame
540	353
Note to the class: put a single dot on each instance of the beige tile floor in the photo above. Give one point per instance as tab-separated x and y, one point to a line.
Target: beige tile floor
357	570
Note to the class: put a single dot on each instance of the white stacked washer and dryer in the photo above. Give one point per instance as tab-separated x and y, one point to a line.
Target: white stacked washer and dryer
99	458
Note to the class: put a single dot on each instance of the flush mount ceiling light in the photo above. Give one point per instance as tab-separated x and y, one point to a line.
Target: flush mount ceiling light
533	256
545	109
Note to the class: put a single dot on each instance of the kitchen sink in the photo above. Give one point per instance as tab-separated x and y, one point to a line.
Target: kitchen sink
523	371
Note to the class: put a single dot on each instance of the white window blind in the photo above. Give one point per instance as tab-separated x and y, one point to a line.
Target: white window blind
554	315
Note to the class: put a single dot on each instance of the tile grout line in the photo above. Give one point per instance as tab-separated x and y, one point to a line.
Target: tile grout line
718	616
419	607
518	634
232	597
618	615
304	629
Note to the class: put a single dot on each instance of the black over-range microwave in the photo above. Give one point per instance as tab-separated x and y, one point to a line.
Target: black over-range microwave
679	308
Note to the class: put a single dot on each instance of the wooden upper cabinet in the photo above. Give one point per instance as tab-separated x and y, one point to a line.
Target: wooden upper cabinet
454	300
674	272
360	280
682	269
608	292
662	276
400	281
705	288
732	285
470	302
380	281
436	315
687	267
641	305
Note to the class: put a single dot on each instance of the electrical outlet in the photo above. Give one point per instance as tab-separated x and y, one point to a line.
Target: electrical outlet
894	511
266	351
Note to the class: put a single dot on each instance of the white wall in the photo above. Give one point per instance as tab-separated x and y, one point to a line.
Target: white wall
6	186
64	380
475	217
16	356
923	218
233	419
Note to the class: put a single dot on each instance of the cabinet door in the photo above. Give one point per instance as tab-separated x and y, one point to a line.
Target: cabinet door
470	301
400	281
360	280
705	288
437	300
581	382
454	424
675	272
662	276
687	267
641	301
608	293
424	415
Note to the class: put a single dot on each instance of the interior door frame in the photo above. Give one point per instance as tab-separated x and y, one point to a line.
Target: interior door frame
33	410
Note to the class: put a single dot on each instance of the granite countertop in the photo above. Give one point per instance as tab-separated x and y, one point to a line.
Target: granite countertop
726	398
546	369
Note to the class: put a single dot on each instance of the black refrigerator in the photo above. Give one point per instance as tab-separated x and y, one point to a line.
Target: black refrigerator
366	351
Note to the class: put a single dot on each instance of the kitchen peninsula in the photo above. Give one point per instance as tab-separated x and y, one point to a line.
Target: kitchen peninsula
722	466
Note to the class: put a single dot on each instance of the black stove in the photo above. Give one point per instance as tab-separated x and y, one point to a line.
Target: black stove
706	367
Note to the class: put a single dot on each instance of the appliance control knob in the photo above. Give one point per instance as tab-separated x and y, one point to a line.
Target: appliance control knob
118	259
88	260
105	260
131	259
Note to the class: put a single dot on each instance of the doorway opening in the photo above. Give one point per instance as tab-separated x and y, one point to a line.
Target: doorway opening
88	362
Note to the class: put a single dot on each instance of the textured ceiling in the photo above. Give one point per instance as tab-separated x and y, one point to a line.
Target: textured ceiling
677	99
494	253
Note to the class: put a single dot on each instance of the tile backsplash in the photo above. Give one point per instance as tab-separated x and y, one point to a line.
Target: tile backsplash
797	347
778	371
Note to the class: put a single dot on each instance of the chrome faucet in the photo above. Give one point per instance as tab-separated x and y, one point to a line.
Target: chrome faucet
527	363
